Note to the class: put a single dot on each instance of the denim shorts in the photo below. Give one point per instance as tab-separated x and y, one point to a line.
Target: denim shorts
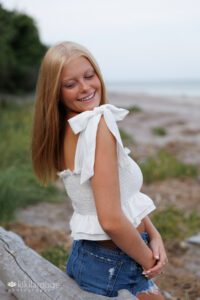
105	271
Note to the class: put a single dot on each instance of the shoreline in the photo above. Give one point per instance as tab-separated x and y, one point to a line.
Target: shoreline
157	103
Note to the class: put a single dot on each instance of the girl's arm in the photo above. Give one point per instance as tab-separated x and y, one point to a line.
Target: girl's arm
150	228
105	184
157	246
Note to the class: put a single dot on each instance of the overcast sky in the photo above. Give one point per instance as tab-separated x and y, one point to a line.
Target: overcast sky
131	39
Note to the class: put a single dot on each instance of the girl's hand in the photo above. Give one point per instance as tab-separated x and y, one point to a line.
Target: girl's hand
159	253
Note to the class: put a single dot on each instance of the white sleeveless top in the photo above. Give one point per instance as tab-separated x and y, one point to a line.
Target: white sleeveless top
84	223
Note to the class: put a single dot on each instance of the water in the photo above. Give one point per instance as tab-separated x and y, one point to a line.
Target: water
158	88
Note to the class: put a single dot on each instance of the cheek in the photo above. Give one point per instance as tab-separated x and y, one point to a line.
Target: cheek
98	84
68	95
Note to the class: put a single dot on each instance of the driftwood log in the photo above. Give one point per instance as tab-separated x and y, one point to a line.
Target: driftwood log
28	276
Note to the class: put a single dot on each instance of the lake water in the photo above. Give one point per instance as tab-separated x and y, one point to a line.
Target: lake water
159	88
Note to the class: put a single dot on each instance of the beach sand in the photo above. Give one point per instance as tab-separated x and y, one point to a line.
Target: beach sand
180	117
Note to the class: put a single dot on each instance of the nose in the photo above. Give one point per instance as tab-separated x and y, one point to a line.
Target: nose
84	86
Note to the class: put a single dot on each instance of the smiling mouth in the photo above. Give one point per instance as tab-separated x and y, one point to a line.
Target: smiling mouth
88	98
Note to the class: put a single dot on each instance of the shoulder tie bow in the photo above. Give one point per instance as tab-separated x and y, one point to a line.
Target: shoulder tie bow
87	123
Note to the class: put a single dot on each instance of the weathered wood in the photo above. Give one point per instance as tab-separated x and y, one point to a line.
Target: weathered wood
29	276
5	294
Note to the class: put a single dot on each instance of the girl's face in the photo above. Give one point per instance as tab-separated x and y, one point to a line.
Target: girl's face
80	86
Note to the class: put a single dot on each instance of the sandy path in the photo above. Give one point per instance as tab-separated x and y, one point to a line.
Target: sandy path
181	122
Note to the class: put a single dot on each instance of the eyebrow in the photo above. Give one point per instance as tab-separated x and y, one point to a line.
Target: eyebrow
71	78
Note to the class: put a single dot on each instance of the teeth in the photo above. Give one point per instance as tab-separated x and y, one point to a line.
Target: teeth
87	98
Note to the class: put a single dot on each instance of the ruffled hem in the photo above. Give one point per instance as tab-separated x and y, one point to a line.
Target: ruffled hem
138	207
91	237
66	172
85	224
88	226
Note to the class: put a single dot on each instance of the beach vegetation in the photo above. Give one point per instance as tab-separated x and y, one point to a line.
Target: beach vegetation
57	255
165	165
134	109
18	185
160	131
174	223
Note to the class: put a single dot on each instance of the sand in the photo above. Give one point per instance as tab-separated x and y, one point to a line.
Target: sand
180	117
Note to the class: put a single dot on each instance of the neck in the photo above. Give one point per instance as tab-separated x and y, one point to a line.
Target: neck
71	114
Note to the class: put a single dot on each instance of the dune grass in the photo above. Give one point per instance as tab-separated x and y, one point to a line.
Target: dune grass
165	165
160	131
134	109
174	223
57	255
18	185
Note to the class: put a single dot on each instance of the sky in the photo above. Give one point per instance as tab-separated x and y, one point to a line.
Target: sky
130	39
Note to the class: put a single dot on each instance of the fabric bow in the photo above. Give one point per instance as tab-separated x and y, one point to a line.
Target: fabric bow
80	121
87	123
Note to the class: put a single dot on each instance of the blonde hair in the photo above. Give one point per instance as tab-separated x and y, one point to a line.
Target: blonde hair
50	113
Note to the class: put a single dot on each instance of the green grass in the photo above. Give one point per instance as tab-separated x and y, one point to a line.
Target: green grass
165	165
134	109
18	185
174	223
56	255
160	131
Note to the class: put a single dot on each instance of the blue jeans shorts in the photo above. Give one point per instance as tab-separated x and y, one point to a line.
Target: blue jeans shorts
105	271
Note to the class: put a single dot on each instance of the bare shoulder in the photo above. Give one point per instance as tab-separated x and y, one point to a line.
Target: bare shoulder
105	164
104	136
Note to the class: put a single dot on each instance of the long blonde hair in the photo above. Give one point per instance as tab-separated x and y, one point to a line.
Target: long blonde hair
50	114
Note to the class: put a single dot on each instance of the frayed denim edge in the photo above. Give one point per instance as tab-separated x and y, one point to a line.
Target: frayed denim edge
151	290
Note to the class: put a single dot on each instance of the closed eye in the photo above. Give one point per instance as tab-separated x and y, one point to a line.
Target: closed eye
89	76
68	86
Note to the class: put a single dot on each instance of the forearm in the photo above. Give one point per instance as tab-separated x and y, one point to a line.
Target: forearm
127	238
150	228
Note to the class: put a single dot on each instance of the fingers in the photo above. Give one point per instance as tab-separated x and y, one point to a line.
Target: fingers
160	264
159	254
156	254
157	270
153	275
155	250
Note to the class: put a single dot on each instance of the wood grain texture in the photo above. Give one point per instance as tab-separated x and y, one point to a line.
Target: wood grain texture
28	276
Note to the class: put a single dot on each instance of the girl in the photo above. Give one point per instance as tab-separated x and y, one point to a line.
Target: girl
76	137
